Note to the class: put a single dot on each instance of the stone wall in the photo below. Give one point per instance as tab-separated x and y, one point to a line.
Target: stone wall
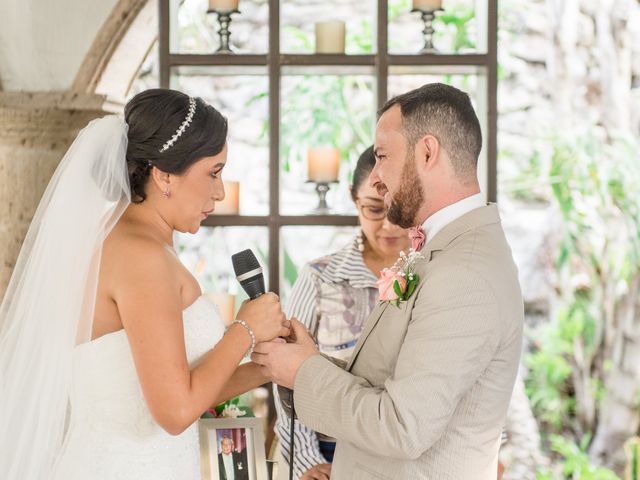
35	132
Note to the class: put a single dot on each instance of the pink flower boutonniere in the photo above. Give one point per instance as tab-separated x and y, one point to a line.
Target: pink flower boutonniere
397	284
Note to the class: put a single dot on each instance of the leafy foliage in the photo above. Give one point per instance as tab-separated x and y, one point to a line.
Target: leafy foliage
594	186
575	462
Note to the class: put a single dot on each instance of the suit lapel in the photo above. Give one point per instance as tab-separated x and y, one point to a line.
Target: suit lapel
374	318
469	221
378	312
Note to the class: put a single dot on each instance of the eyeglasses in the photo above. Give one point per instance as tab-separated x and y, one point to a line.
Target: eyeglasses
372	212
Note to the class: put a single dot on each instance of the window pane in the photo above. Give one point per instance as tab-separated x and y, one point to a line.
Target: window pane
298	19
243	99
196	31
207	255
295	252
456	27
403	79
322	111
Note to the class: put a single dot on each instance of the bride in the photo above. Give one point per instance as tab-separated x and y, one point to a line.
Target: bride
109	353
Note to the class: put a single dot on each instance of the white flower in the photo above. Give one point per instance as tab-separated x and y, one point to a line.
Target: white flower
404	264
232	411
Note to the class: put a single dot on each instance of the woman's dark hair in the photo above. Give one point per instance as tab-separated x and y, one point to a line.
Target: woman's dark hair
363	169
153	117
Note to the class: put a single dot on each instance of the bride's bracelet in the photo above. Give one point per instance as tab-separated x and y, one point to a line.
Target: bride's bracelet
251	334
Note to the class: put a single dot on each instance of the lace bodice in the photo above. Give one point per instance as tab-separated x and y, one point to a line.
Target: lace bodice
111	433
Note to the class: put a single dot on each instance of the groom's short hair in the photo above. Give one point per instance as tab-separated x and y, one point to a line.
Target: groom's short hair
446	113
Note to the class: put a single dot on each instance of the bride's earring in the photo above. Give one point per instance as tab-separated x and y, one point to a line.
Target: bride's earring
360	241
167	194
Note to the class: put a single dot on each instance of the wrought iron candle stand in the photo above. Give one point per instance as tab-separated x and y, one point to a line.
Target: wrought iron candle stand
321	189
427	18
224	20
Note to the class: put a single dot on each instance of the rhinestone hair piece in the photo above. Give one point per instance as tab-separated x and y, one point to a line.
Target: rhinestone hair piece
182	127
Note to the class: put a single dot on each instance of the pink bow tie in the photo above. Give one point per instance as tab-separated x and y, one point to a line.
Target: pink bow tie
418	238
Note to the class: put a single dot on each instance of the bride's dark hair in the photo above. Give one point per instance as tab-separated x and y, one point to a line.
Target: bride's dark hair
153	117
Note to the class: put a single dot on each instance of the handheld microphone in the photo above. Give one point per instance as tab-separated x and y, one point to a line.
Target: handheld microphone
248	273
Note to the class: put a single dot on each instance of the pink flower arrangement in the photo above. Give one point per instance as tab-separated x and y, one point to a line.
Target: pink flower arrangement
387	285
397	284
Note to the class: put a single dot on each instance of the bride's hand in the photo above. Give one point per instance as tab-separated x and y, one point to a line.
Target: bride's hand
265	317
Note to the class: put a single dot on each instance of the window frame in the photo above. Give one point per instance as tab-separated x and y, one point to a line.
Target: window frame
380	61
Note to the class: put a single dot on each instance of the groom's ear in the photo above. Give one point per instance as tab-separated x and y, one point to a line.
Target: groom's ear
428	150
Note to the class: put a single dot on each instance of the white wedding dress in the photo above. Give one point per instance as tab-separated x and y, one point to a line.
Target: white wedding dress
111	433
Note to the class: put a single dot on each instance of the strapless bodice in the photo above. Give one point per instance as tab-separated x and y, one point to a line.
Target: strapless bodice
111	431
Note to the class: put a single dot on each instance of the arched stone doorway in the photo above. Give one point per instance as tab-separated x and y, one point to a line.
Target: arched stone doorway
37	127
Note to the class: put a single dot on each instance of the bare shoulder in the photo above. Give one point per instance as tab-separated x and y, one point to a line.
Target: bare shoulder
132	252
133	262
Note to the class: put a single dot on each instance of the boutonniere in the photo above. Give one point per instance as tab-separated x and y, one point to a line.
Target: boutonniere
397	284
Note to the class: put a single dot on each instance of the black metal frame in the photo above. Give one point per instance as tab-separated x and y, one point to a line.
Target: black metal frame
380	61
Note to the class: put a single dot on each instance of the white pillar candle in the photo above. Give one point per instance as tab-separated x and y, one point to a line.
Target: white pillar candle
427	4
231	203
223	5
330	36
323	164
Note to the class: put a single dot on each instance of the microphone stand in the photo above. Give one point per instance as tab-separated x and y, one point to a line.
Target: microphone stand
291	434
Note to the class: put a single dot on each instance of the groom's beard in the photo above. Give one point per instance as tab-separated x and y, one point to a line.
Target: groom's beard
409	198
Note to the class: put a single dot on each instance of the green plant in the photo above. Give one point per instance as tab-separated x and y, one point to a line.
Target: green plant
458	18
547	383
238	402
633	458
635	475
575	463
329	111
594	185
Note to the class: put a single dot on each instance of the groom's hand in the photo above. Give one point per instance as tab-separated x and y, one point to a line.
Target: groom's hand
281	361
321	471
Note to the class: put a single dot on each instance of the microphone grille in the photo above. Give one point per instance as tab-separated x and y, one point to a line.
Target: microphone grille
244	262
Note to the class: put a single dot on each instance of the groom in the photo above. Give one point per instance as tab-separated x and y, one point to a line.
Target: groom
426	391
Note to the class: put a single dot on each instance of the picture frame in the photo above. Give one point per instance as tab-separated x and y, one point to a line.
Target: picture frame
236	443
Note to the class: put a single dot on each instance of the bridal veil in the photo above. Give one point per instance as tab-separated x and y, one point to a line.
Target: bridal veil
48	307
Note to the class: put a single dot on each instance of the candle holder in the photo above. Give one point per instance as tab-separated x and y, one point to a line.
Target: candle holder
224	19
428	14
321	189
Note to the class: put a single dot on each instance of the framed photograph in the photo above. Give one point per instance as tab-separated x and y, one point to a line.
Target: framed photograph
232	448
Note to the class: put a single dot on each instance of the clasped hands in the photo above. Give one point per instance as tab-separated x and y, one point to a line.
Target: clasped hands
281	358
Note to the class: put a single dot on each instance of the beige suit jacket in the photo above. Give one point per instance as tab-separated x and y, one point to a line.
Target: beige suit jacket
427	388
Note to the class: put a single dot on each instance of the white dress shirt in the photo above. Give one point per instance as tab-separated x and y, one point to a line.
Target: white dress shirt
448	214
229	467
